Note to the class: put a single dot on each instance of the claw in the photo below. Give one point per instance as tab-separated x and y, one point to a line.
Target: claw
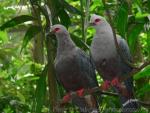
106	85
115	82
80	92
67	98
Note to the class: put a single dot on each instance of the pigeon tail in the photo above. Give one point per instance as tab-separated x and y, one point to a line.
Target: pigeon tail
87	104
129	103
130	106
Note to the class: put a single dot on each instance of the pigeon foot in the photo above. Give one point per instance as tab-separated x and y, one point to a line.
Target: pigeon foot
80	92
106	85
67	98
115	82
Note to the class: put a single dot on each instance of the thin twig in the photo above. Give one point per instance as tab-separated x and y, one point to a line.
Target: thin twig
134	71
94	90
49	15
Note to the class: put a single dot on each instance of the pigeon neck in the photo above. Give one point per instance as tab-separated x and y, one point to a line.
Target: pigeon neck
64	43
103	28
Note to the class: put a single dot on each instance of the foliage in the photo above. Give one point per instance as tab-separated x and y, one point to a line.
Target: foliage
24	84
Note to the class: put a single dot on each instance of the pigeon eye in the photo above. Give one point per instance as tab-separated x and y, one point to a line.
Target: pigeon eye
97	20
56	29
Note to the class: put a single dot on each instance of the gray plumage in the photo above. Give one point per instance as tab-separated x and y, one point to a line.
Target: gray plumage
108	62
73	67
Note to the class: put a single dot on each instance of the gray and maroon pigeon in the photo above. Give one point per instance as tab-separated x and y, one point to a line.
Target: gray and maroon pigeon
109	64
74	69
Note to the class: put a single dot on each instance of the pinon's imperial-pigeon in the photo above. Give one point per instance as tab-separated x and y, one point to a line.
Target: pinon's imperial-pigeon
109	64
74	69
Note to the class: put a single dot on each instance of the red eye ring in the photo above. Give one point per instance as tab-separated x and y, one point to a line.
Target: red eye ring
56	29
97	20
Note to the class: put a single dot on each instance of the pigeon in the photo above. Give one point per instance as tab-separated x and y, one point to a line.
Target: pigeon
110	64
75	70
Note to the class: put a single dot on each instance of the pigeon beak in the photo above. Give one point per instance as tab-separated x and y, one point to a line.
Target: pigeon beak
50	33
91	24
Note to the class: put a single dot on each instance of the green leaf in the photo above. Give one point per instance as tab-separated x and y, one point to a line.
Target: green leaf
17	20
133	36
148	4
41	90
144	73
79	42
5	54
70	8
31	32
145	89
148	43
3	37
28	78
35	2
95	4
43	10
122	18
64	18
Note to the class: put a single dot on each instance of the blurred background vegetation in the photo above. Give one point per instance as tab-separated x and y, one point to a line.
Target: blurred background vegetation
27	76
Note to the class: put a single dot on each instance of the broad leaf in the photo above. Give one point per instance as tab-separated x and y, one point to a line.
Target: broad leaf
43	10
133	36
31	32
144	73
79	42
64	18
16	21
3	37
5	54
70	8
145	89
95	4
121	18
148	43
41	91
148	4
35	2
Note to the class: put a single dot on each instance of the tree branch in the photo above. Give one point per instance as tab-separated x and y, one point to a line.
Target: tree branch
134	71
61	104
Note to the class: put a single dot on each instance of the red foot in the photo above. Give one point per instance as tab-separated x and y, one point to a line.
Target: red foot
67	98
80	92
115	82
106	85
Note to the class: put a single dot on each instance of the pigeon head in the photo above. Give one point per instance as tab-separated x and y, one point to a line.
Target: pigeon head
96	20
59	29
